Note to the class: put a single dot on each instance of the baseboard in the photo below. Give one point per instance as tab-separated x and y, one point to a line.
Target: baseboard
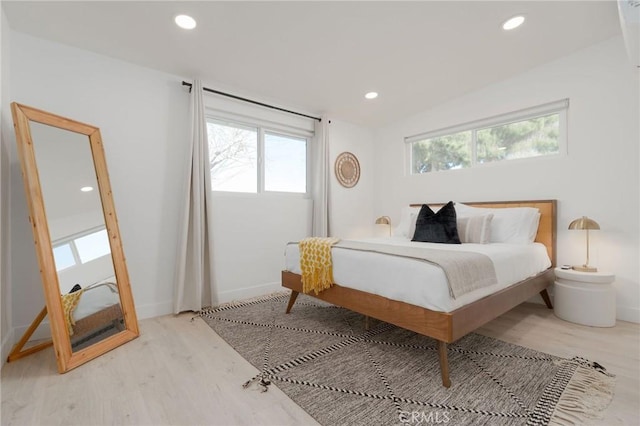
626	313
142	311
247	292
154	310
42	332
166	308
7	345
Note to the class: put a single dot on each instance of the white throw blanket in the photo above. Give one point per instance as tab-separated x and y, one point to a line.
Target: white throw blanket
465	271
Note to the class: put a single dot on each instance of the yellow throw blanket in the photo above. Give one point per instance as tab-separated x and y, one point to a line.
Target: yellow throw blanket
69	303
316	264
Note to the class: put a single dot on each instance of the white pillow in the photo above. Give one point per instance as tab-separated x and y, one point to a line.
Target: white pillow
533	231
475	229
407	226
408	217
516	225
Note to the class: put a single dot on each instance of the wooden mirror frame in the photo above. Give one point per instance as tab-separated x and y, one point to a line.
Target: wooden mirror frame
66	358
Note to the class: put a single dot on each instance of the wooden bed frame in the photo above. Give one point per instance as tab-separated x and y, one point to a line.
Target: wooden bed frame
447	327
105	317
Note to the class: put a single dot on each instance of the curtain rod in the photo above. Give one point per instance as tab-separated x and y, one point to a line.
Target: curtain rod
229	95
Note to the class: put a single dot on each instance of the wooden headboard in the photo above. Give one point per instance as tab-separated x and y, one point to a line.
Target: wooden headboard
546	229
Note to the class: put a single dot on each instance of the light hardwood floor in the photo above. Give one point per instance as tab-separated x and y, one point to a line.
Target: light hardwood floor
179	372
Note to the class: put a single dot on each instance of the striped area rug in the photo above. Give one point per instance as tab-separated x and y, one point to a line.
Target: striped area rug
321	356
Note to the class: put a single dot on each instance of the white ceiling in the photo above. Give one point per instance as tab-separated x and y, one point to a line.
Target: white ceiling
321	57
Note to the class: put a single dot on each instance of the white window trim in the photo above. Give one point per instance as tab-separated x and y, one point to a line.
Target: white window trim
253	122
560	107
71	241
263	126
72	237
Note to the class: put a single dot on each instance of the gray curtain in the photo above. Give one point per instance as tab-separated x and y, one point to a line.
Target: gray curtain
320	174
194	279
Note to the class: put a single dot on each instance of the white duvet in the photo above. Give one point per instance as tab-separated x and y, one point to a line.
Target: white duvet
420	283
96	298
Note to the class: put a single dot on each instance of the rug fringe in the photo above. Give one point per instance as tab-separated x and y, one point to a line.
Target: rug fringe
243	302
587	395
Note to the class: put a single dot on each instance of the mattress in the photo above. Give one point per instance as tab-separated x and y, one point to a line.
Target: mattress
421	283
96	298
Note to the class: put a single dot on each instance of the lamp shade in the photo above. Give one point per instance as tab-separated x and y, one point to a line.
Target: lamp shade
584	223
383	220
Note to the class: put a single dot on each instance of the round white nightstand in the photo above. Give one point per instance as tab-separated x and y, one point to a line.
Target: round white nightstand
586	298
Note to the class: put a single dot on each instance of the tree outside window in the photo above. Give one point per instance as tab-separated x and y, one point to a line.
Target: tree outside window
509	137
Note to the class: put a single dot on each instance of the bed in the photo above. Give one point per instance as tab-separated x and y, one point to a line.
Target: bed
446	324
98	312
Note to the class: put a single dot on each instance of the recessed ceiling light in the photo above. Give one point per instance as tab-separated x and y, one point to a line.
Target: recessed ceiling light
512	23
371	95
86	189
186	22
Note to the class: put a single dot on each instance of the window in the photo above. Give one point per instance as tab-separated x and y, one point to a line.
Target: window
285	165
534	132
63	256
442	153
233	157
81	248
253	159
92	246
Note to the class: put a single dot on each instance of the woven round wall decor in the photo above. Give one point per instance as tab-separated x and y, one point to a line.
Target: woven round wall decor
347	169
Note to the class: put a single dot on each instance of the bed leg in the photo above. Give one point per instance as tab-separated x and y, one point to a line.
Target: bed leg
292	300
367	323
545	297
444	363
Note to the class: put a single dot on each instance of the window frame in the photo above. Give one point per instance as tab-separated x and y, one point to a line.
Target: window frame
71	242
262	164
560	107
263	127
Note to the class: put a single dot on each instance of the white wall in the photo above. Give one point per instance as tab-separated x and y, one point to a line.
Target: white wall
143	118
6	335
250	231
598	178
85	274
351	208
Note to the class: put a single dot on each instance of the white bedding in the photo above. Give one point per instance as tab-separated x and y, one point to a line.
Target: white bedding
96	298
421	283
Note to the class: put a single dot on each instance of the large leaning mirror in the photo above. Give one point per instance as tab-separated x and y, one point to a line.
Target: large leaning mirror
86	284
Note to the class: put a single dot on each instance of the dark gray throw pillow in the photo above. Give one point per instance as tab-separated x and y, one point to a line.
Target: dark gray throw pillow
437	227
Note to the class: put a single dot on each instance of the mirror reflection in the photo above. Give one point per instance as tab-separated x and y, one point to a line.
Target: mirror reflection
87	282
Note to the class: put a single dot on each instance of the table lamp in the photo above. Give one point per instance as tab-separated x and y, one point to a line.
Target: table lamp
384	220
584	223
